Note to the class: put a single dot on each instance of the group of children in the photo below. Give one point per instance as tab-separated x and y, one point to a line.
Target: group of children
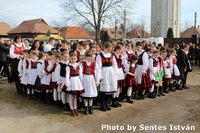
92	75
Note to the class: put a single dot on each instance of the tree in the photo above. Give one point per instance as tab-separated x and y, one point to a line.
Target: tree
93	11
170	33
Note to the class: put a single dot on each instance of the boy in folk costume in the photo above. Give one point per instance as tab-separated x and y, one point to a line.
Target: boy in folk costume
120	75
89	82
130	80
60	73
32	73
174	71
106	73
142	73
73	83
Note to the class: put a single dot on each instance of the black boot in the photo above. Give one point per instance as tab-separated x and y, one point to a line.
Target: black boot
161	91
155	92
90	110
141	95
106	102
129	100
86	110
114	103
103	99
151	95
117	102
165	88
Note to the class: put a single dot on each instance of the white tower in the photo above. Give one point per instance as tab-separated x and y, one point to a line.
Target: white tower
165	14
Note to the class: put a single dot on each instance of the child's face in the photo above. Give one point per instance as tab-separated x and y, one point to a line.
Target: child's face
119	51
73	59
129	46
94	51
65	57
163	55
156	55
88	58
82	58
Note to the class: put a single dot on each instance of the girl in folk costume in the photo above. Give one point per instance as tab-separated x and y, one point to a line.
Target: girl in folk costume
120	75
45	80
23	71
174	71
93	50
53	82
89	82
73	83
32	73
142	73
164	70
130	80
106	67
51	78
16	52
60	73
81	50
128	53
40	74
154	71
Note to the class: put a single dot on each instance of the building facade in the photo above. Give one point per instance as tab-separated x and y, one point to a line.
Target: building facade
165	14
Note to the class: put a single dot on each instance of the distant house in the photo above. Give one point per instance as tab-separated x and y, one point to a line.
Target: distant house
189	32
4	29
108	34
32	28
75	33
137	33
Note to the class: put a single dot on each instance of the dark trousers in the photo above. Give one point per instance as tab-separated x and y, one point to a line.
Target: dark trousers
5	68
15	73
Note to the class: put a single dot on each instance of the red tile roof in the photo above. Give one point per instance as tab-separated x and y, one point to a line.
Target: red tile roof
74	32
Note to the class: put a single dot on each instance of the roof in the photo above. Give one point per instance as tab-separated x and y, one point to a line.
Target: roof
75	32
33	26
111	33
4	28
137	33
189	32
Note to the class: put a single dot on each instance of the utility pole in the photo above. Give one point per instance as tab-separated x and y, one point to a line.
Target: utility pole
115	30
195	19
124	23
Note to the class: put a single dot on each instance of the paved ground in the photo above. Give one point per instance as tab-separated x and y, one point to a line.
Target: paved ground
19	114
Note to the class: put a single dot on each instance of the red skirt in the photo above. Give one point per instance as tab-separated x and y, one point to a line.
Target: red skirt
130	81
120	83
146	81
53	85
166	80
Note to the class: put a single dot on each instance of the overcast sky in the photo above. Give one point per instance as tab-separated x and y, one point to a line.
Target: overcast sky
15	11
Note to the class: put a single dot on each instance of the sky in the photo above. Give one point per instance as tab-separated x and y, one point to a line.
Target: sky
14	12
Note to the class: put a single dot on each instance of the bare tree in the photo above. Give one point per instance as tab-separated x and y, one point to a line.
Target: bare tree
93	11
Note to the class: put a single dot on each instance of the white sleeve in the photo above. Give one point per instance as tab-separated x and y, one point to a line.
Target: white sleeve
68	77
114	64
98	67
81	71
57	74
49	67
19	68
145	60
12	54
171	64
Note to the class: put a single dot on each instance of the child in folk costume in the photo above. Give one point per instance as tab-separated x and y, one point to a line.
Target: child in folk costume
106	67
174	71
32	73
40	74
60	73
142	71
130	80
81	50
89	82
154	71
128	53
164	70
73	83
53	82
120	75
23	71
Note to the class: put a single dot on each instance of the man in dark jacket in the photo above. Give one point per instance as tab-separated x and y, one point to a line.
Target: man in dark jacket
3	55
183	63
